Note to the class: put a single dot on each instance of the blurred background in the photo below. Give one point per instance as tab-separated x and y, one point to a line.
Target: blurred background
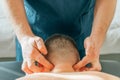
109	51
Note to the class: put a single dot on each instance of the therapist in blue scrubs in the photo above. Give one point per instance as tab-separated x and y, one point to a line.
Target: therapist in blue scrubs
86	21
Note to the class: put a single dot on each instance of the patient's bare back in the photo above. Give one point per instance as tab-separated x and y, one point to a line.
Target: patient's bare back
89	75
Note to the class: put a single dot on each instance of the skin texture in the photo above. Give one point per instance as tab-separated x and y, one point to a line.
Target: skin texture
103	14
60	49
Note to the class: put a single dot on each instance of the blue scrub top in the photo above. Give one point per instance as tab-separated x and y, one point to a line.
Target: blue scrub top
70	17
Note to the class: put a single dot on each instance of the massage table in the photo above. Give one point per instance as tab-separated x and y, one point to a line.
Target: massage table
12	69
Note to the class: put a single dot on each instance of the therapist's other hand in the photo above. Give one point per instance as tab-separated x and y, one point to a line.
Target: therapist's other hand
92	57
33	49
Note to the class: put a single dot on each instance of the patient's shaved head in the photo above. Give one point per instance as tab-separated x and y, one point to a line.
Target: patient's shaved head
61	49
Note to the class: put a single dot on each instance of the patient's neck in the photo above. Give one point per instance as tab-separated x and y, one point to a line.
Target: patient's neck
63	67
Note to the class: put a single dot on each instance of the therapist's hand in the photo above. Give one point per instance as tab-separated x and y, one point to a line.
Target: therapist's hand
92	56
33	49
